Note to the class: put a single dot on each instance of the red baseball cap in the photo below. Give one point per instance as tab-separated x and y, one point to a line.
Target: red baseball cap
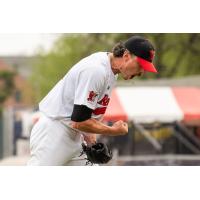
143	50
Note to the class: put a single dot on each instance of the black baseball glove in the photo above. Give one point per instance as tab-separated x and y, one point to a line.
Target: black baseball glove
97	153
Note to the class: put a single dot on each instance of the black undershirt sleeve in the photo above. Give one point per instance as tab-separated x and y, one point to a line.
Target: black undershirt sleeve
81	113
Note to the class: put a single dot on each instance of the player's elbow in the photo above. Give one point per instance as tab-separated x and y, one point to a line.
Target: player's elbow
80	125
86	126
75	125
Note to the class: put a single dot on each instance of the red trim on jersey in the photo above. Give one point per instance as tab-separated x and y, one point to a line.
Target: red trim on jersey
99	111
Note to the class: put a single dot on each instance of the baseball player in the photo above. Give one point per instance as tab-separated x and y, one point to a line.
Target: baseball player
73	109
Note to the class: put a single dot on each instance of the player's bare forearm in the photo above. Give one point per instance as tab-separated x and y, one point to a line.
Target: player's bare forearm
94	126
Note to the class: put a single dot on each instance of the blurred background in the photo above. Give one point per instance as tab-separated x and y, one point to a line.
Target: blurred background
162	110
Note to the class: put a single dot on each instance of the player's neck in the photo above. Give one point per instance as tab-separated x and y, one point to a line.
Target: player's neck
113	64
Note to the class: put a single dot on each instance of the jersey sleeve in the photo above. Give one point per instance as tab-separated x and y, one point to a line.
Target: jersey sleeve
89	85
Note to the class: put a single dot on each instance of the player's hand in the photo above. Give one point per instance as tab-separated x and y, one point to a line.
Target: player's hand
90	138
121	128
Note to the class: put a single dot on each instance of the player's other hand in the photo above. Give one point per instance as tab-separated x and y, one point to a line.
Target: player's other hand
121	128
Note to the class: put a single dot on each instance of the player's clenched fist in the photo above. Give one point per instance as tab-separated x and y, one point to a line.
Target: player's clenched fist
121	128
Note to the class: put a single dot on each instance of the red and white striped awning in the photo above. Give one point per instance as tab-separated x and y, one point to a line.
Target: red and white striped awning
154	104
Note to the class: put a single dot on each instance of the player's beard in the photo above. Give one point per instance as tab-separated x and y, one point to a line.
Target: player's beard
125	77
128	77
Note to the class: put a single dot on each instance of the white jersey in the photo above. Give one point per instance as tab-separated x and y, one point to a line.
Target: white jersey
88	83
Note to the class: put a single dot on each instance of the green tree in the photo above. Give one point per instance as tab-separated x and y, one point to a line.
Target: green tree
176	55
6	86
67	50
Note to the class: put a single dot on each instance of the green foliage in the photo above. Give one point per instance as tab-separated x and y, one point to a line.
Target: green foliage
176	55
6	85
68	50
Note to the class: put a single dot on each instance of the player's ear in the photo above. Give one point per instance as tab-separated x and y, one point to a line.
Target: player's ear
126	55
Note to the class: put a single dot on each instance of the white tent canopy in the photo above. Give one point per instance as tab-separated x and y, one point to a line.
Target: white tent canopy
149	104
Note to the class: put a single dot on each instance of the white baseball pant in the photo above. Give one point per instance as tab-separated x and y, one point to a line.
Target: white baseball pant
54	144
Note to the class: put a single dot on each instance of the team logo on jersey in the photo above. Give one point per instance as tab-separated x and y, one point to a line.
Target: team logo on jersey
92	96
104	101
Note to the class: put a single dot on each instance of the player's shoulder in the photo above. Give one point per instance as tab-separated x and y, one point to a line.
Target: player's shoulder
97	63
97	57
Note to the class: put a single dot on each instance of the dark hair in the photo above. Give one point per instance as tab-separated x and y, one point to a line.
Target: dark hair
118	50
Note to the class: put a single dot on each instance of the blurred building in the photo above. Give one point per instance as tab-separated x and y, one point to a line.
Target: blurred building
21	64
23	94
21	99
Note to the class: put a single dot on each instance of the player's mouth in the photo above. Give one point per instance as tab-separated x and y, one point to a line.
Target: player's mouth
129	77
132	76
139	74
